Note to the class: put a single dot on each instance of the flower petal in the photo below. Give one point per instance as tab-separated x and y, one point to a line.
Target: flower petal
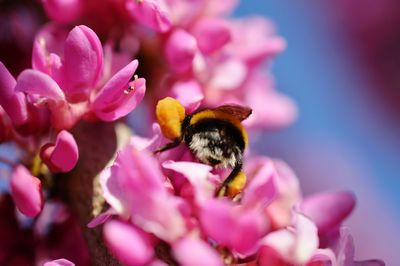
135	187
289	194
48	50
114	101
306	238
295	245
26	191
250	228
13	103
195	252
63	155
101	218
39	86
189	94
211	34
63	11
328	210
196	174
150	13
83	60
128	244
325	256
345	249
262	189
215	217
228	75
180	50
59	262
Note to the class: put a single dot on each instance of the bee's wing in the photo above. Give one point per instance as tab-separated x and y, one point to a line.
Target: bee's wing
238	111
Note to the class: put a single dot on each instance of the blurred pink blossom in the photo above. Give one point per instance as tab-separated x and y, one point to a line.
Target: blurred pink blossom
61	156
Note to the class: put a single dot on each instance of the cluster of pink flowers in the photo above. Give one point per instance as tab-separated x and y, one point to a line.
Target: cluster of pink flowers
162	209
163	212
71	80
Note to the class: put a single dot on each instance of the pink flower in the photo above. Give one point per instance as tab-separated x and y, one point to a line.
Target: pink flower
295	244
130	245
191	251
341	254
14	104
211	34
69	83
63	11
115	100
246	226
180	50
328	210
134	187
26	191
151	13
61	156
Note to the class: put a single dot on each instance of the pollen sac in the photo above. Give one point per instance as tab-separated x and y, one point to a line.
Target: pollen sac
237	185
170	114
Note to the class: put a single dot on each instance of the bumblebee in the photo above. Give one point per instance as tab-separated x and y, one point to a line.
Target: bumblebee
214	135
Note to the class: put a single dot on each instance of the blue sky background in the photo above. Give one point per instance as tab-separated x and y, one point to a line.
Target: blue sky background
343	138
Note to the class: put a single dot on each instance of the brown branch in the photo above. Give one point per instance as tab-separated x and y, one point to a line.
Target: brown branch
97	146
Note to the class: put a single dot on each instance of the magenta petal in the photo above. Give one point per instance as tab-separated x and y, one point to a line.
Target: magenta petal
13	103
59	262
229	75
26	191
262	189
101	218
48	50
215	217
63	155
7	84
115	100
180	50
83	60
328	210
39	86
211	34
128	244
134	187
325	256
63	11
345	250
189	94
195	252
197	174
296	245
250	228
150	13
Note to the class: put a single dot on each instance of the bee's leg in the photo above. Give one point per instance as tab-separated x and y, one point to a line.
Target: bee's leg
233	184
168	146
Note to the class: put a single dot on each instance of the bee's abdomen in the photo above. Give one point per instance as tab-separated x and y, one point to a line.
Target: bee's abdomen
215	142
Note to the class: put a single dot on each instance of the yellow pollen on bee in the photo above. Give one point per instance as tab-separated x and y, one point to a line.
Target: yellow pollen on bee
237	185
170	115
